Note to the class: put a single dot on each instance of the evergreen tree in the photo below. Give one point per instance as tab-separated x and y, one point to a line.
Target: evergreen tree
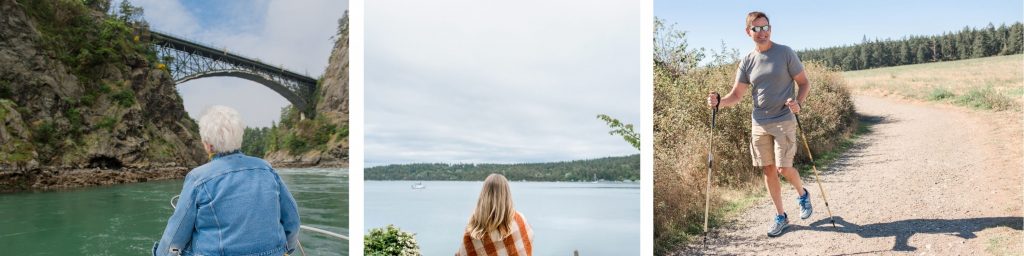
964	44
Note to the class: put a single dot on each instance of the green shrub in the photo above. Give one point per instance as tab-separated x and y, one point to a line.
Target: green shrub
390	241
323	131
985	98
295	144
5	90
940	94
125	98
74	118
104	88
342	130
107	123
44	133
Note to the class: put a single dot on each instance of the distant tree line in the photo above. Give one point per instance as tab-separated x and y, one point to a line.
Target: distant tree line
254	140
293	134
964	44
608	168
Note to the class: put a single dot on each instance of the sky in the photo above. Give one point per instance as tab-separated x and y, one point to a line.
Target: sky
818	24
294	34
467	81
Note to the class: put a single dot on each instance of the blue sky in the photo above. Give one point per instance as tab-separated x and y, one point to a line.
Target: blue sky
499	81
293	34
817	24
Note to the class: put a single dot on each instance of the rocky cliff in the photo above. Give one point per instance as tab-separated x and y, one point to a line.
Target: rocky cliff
83	102
332	112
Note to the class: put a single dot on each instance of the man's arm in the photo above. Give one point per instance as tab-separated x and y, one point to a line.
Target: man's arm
734	96
803	89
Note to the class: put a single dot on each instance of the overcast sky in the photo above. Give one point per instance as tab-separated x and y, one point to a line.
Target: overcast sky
295	34
499	81
818	24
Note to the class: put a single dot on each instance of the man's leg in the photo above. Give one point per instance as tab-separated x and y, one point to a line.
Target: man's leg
794	178
771	181
786	151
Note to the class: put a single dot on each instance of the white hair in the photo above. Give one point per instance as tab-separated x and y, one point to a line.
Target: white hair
221	127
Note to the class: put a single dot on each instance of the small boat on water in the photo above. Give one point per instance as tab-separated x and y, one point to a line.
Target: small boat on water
418	185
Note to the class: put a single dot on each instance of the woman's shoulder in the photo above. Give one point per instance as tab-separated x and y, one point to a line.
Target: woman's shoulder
226	165
520	217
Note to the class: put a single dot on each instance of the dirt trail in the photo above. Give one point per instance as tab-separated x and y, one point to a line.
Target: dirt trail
928	179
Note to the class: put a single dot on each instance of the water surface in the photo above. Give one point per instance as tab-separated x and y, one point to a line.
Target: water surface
127	219
594	218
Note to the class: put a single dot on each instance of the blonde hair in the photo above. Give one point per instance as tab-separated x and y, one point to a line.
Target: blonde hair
221	127
494	211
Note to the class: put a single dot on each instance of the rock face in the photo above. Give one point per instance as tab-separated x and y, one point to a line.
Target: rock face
332	106
125	115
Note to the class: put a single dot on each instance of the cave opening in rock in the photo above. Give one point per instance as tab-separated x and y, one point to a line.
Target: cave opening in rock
104	162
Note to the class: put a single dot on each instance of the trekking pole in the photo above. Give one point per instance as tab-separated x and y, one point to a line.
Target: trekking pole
815	168
707	195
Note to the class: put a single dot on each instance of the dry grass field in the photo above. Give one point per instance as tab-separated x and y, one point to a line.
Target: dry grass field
995	83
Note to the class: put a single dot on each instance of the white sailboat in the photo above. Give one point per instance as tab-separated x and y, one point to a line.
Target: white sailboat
418	185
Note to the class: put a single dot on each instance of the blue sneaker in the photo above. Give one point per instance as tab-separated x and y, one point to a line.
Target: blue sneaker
805	205
781	222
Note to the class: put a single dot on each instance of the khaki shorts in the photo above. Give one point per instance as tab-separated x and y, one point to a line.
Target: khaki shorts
773	144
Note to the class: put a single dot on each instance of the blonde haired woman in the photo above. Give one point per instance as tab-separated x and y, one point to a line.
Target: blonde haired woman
495	225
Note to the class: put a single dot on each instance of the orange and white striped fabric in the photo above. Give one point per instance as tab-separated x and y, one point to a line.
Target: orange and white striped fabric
518	243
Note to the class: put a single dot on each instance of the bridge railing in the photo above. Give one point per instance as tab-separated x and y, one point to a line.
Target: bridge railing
224	50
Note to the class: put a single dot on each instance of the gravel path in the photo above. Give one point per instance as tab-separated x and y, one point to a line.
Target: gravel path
928	179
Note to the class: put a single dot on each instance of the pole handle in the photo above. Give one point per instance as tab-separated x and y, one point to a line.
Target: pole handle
718	100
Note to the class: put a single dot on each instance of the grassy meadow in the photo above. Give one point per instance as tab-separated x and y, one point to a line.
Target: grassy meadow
991	83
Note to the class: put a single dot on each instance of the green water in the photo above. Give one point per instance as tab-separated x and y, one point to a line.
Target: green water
127	219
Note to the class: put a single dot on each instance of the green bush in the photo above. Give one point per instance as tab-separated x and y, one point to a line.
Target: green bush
125	98
44	133
295	144
104	88
107	123
939	94
74	118
5	90
985	98
390	241
324	131
342	130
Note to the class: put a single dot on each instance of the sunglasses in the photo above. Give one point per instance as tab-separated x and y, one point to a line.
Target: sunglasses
761	28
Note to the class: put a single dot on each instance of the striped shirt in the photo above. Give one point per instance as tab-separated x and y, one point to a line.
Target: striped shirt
518	242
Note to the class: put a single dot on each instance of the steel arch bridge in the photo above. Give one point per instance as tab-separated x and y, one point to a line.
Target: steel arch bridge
187	60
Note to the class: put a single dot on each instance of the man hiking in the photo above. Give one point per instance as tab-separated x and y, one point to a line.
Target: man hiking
771	69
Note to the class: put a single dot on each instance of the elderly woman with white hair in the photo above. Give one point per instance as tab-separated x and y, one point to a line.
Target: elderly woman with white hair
233	205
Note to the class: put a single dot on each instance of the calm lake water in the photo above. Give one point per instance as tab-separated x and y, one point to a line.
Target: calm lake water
594	218
127	219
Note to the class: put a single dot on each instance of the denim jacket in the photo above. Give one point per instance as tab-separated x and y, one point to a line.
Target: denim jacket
233	205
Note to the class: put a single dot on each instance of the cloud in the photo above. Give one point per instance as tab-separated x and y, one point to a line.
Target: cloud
291	34
522	81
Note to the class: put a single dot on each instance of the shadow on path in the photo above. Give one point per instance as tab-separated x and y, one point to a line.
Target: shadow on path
902	230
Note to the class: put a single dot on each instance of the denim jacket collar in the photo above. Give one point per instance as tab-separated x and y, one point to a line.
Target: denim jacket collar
223	154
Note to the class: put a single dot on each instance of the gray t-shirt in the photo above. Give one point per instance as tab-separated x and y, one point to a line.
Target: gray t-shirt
771	75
